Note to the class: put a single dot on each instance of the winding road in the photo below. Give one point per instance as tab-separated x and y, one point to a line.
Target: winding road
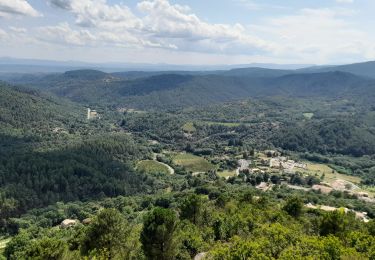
171	170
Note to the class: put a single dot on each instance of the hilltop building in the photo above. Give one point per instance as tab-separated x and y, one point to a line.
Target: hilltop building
92	114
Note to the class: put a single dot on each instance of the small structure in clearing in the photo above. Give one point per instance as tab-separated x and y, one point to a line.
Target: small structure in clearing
92	114
67	223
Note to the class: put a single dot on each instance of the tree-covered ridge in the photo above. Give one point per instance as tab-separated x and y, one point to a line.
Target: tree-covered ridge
365	69
95	168
24	108
337	136
160	91
217	222
50	152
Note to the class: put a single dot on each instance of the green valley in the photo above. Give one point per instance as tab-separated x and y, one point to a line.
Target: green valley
251	163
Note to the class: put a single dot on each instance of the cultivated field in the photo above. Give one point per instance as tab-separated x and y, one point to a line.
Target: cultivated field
193	163
329	174
150	166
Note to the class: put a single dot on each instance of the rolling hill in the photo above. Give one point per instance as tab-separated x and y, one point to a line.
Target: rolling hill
254	72
215	89
365	69
180	89
325	84
23	108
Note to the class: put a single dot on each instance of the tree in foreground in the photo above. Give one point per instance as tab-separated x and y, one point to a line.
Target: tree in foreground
191	208
294	206
106	235
337	223
157	236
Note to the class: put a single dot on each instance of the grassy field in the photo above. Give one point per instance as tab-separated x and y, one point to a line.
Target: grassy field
150	166
319	168
334	176
189	127
193	163
329	174
226	173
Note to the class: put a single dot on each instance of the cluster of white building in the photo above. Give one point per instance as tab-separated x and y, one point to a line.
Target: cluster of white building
284	163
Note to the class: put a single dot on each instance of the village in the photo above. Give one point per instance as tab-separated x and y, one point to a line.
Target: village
271	163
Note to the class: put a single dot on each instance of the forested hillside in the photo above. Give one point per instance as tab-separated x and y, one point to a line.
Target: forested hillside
247	163
328	136
95	168
25	108
50	152
187	130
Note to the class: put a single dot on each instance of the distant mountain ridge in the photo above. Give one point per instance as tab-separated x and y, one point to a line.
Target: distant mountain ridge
14	65
365	69
178	90
9	65
214	89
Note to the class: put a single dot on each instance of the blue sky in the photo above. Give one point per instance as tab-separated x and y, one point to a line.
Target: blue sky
200	32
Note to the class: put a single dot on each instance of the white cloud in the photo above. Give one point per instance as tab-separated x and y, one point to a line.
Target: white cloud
17	29
316	35
307	35
97	13
164	20
255	6
63	33
9	8
248	4
3	34
345	1
108	24
163	25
